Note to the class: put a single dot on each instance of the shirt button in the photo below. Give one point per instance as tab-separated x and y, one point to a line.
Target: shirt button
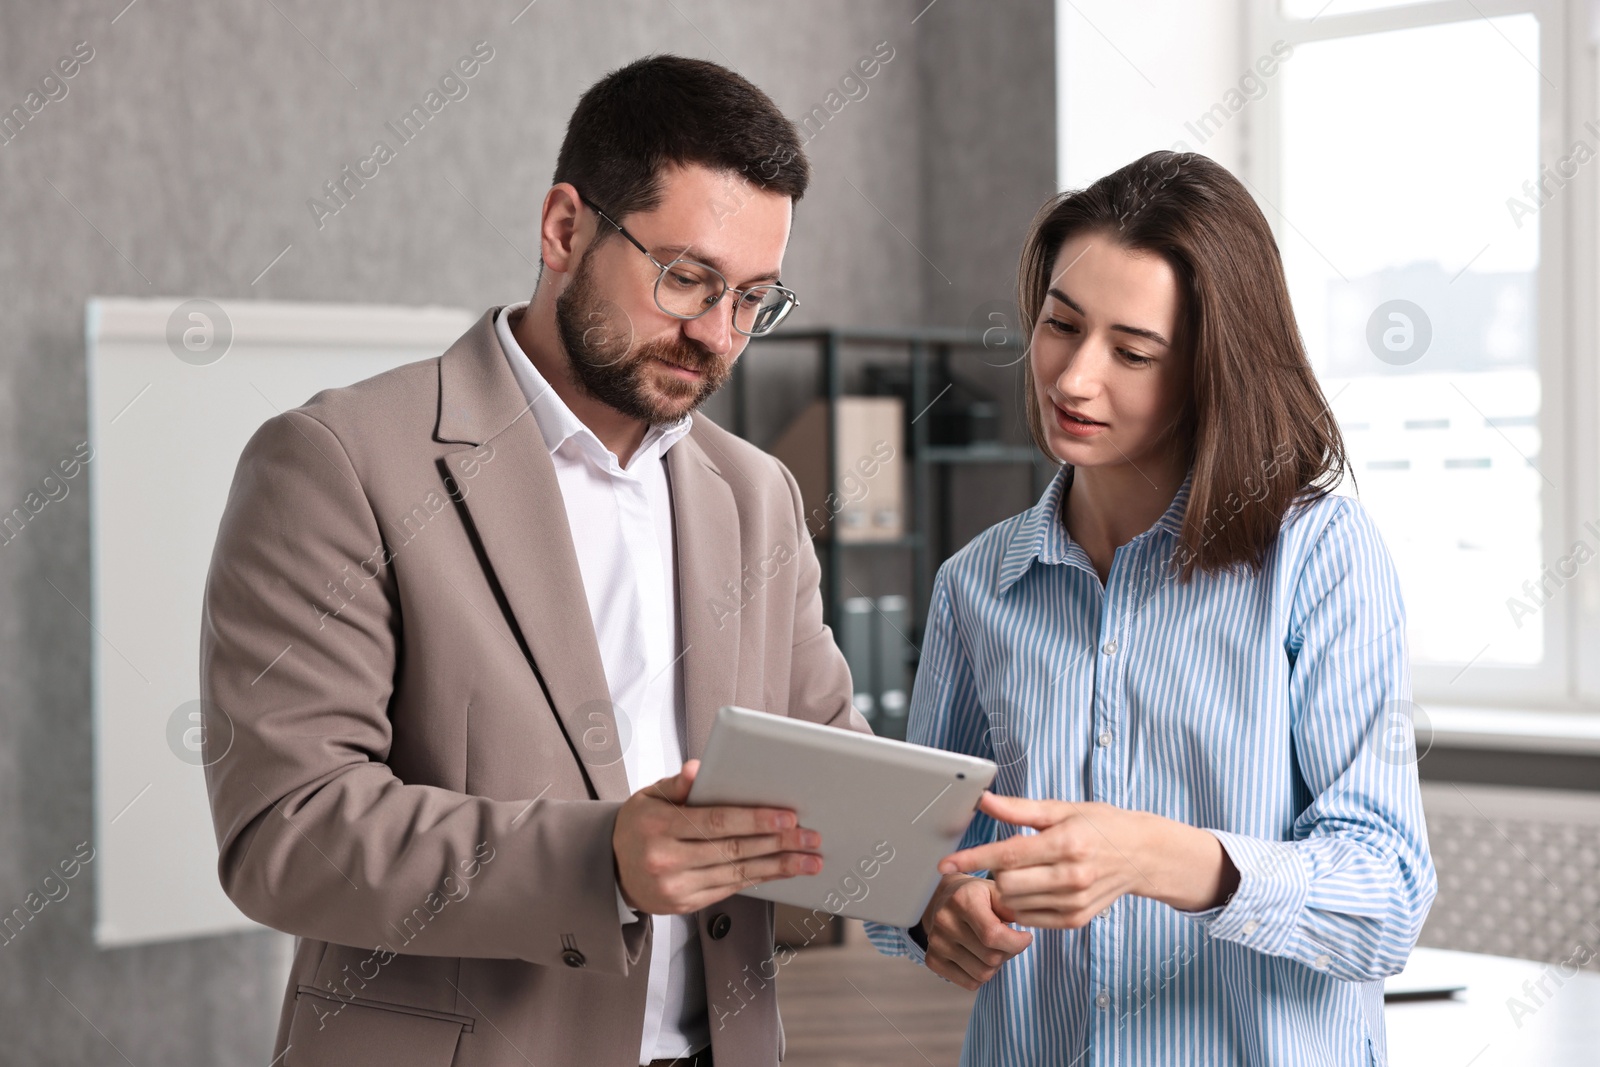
573	958
1322	962
1105	738
1110	647
1102	1000
1251	927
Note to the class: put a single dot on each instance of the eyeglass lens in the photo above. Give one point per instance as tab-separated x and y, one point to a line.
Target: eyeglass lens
687	290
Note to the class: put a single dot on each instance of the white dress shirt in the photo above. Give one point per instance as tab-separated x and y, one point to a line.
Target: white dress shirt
621	520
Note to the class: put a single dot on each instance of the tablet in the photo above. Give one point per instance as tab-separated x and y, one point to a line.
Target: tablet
887	811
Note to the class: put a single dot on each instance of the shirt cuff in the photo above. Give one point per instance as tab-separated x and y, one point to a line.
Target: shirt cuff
624	913
895	941
1264	912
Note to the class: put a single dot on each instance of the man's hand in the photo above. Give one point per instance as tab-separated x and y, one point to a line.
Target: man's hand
672	859
968	938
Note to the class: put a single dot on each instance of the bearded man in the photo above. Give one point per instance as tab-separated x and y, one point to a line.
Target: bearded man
469	622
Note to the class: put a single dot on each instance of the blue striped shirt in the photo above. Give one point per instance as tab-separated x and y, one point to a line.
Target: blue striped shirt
1268	707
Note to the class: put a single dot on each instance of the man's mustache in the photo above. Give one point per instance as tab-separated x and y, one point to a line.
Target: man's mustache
684	353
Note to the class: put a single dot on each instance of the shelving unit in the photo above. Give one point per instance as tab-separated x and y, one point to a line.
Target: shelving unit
929	538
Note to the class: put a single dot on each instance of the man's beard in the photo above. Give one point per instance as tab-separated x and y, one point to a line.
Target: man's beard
606	365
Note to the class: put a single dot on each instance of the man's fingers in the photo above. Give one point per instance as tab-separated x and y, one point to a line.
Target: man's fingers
700	887
722	851
736	877
722	821
675	788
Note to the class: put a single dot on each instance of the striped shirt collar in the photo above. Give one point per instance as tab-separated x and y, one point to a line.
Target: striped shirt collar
1043	536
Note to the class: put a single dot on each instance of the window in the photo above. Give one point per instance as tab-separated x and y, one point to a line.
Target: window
1430	188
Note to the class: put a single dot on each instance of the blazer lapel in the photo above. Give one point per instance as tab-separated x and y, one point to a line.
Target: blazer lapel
710	593
517	512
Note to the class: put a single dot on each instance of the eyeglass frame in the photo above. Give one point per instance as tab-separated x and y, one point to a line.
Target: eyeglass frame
794	298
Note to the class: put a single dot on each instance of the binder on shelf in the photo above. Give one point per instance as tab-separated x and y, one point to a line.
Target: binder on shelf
892	622
857	640
862	500
872	637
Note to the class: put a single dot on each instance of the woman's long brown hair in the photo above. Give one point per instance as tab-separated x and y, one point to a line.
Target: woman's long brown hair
1257	429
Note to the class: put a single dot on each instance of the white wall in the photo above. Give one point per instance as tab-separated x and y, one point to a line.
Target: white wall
1132	78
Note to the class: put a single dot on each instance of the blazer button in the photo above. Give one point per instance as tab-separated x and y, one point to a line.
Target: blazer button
573	958
720	925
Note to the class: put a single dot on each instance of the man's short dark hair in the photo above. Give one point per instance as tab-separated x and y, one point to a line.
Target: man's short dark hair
668	110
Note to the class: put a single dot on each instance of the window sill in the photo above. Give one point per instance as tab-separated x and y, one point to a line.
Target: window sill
1508	730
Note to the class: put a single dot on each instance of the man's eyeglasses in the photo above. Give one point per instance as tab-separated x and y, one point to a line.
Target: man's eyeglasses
686	289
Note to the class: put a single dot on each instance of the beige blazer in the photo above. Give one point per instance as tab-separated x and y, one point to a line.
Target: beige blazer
415	768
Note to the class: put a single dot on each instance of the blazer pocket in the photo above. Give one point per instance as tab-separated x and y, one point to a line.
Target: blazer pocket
329	1031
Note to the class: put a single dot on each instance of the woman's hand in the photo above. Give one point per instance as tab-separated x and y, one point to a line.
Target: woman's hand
968	938
1087	854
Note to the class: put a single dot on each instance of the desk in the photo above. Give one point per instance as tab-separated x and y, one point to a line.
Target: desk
845	1004
1477	1026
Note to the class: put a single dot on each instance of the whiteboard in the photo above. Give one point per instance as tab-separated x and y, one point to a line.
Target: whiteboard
176	387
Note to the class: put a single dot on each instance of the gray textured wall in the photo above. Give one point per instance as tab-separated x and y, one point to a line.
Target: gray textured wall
180	162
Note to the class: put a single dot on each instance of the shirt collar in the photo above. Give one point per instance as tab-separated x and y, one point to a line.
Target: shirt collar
1042	535
555	419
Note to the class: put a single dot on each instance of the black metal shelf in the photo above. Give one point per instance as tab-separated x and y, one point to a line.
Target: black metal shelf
929	547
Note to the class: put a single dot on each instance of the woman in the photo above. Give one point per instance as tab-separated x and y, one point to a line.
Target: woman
1188	660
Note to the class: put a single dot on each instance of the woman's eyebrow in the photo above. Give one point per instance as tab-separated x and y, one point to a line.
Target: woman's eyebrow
1137	331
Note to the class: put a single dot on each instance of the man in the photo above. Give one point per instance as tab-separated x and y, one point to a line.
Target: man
466	619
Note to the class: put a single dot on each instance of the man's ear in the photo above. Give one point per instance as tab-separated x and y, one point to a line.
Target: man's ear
562	233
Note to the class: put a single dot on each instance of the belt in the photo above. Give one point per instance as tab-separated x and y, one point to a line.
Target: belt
689	1059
